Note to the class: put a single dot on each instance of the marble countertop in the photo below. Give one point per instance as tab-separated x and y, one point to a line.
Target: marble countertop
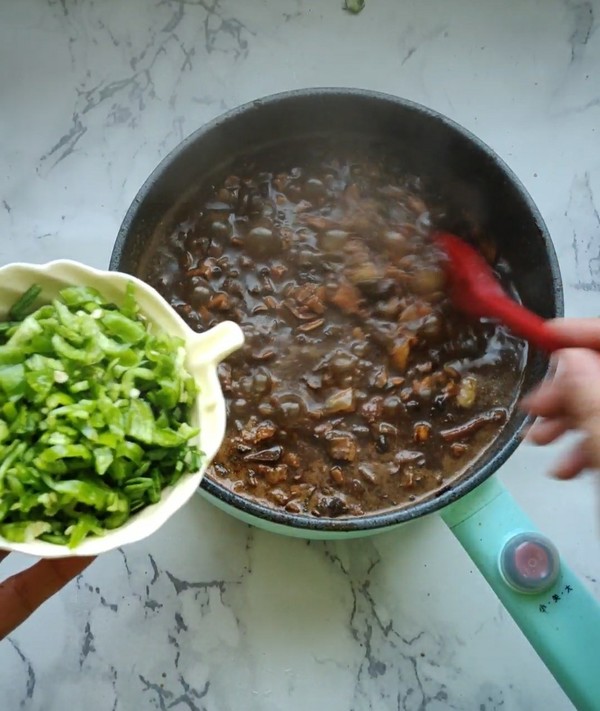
209	613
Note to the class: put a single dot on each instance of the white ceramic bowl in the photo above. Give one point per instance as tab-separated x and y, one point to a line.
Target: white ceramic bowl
204	352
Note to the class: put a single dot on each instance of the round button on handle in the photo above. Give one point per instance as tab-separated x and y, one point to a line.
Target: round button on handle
529	563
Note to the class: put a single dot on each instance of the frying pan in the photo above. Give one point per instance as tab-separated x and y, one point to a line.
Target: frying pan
553	608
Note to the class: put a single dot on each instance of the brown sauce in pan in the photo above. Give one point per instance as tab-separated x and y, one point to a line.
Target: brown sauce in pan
359	387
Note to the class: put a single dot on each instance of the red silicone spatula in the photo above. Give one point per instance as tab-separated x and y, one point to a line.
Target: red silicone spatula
475	290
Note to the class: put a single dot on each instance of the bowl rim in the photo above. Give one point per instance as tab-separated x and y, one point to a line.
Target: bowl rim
387	518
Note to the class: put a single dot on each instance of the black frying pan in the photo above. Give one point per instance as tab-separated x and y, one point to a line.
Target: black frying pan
429	144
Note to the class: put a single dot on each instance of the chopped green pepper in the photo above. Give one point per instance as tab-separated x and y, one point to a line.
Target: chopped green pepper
94	416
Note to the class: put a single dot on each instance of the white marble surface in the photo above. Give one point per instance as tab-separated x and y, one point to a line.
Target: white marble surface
210	614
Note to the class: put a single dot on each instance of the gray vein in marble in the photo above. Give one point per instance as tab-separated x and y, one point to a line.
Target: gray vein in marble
109	32
582	12
113	680
162	695
188	54
125	563
181	626
152	605
112	606
586	286
182	585
188	698
176	18
376	637
215	24
419	44
98	94
222	33
67	142
155	571
30	686
87	647
576	110
180	692
120	115
586	247
61	3
189	692
408	55
175	644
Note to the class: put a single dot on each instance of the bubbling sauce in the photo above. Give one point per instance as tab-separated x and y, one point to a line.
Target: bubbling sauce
360	387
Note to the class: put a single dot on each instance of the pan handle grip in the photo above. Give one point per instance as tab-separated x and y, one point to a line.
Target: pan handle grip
562	622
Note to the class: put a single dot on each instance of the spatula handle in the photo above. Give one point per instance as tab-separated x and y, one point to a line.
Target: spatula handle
524	323
476	290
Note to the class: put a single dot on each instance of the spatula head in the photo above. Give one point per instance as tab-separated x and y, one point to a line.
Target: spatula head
472	283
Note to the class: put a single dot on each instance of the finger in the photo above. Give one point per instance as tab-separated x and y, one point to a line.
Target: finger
571	388
547	400
24	592
577	332
571	464
3	555
547	430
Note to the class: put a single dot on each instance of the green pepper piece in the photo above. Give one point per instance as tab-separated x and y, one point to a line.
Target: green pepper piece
103	458
140	421
89	355
24	333
129	331
23	531
81	296
23	305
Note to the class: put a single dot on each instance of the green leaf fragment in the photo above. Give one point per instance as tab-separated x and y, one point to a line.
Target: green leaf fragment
354	6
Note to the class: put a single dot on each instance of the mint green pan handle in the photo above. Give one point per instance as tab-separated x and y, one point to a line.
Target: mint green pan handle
563	622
